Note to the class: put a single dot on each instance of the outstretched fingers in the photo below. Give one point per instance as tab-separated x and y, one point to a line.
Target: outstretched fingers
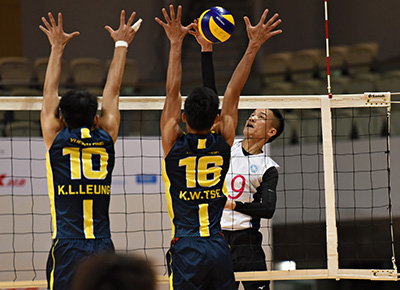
131	18
73	34
276	32
55	32
172	12
247	21
122	18
160	22
173	27
44	20
263	17
273	22
109	29
52	21
179	15
60	22
44	30
261	32
166	17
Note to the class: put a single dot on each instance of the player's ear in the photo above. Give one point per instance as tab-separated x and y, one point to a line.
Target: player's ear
184	120
96	120
63	121
271	132
216	119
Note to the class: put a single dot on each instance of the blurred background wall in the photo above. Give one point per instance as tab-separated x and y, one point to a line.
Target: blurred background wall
350	22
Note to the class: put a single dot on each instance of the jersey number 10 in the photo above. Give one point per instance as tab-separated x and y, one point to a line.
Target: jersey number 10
86	166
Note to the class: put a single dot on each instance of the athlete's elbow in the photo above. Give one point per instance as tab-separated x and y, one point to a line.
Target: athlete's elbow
270	213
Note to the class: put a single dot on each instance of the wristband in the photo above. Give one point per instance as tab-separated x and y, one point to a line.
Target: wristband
121	43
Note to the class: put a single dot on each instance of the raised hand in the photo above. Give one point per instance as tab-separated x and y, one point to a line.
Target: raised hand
125	32
173	27
205	45
261	32
55	33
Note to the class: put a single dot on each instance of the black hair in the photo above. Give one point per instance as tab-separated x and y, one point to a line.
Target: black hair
78	108
201	108
114	272
279	127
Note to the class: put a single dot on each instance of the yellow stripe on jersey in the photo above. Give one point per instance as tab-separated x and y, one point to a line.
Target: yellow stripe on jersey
54	266
88	218
50	185
201	144
85	133
225	189
168	196
203	218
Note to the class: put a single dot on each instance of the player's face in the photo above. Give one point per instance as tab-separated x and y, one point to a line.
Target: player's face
259	125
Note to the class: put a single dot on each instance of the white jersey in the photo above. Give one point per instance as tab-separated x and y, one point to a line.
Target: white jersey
245	174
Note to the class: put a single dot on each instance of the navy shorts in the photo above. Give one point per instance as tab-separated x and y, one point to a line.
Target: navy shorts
64	256
202	263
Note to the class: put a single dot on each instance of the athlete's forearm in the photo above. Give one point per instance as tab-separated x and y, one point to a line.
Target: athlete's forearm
258	210
53	74
174	72
115	73
264	203
207	70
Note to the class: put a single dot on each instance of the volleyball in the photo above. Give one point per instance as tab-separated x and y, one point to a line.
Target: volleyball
216	24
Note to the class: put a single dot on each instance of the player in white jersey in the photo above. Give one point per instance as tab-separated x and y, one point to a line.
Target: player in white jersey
251	180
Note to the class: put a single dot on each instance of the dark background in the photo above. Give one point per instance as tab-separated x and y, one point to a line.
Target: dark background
350	22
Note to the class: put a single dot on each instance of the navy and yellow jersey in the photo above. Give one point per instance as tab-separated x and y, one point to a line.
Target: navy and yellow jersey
79	168
194	174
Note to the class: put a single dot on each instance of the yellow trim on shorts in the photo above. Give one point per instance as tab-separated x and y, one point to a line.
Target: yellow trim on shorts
171	284
54	266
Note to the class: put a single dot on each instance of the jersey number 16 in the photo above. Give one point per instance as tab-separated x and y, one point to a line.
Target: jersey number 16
208	170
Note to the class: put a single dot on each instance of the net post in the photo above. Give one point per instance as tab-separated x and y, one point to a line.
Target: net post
330	202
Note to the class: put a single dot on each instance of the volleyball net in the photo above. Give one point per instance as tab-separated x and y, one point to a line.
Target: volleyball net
334	217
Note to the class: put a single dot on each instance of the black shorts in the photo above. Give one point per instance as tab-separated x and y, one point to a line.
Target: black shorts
64	256
247	254
200	263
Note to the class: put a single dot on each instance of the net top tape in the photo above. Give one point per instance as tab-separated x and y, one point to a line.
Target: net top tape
377	99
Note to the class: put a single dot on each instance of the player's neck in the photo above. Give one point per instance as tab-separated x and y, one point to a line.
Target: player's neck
197	132
252	146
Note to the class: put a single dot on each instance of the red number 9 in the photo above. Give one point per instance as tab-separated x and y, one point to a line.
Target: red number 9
240	190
